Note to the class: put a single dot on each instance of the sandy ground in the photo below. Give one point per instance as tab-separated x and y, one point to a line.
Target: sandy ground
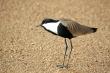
24	48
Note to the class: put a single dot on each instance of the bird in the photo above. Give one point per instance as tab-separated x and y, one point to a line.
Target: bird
68	29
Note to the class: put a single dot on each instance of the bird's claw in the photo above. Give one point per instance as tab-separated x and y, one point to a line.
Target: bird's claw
62	66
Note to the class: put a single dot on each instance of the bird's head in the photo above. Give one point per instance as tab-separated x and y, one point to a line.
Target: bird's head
48	20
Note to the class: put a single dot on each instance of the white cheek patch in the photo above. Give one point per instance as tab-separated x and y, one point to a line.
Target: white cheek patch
51	27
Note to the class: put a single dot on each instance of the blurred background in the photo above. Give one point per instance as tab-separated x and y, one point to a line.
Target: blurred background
24	48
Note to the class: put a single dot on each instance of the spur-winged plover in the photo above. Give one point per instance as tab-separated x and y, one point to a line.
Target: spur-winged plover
67	29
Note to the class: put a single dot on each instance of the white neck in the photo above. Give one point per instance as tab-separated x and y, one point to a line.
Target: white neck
51	26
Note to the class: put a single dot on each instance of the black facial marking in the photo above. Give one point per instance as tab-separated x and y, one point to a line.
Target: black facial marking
49	21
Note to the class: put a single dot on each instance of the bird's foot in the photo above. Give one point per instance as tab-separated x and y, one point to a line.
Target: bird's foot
62	66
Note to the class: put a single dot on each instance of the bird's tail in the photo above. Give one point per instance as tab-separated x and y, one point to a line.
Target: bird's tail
94	29
78	29
86	30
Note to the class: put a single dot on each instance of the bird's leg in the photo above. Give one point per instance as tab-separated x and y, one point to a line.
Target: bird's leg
63	65
67	54
70	52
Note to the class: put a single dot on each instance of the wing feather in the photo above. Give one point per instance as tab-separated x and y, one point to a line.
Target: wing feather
75	28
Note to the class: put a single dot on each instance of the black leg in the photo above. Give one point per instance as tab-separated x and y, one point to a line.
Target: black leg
65	51
70	51
63	65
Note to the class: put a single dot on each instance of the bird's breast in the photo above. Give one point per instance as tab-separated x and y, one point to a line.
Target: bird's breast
64	32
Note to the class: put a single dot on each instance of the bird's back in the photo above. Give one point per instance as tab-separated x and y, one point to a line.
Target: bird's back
77	29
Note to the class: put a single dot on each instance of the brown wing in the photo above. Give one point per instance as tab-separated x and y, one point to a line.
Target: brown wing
75	28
